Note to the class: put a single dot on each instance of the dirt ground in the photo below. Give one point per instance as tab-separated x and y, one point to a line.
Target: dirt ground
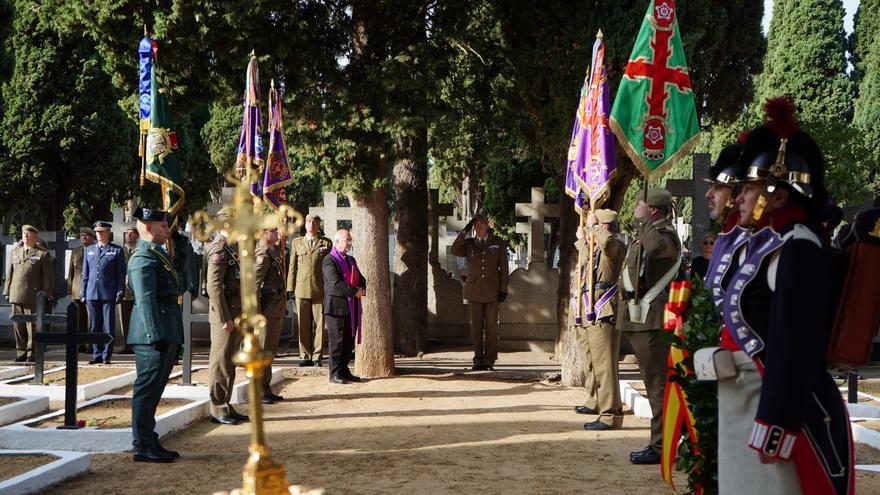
111	413
420	432
13	465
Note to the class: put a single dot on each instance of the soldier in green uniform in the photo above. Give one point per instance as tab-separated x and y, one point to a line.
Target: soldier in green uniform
485	287
74	278
305	282
129	245
30	271
155	332
598	340
270	287
224	296
652	261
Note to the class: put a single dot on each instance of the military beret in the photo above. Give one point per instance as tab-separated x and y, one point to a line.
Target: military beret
150	215
657	196
101	226
226	212
87	230
606	216
313	216
30	227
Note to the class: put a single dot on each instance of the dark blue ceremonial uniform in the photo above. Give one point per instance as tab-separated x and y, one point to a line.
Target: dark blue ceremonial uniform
103	281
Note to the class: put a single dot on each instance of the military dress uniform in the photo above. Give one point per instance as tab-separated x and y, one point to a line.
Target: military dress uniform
224	295
305	280
660	248
103	284
485	287
272	297
74	283
598	340
778	310
155	334
30	271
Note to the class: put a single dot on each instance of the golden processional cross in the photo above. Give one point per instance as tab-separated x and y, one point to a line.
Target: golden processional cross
261	474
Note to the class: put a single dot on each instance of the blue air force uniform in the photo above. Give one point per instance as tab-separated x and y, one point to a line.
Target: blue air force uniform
103	284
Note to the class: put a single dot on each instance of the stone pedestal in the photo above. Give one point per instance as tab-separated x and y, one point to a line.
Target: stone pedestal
528	316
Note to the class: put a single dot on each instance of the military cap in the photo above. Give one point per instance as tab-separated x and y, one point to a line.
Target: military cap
313	216
131	228
605	216
150	215
657	196
226	212
101	226
30	227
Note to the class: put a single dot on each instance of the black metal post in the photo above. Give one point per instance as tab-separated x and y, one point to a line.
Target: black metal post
853	387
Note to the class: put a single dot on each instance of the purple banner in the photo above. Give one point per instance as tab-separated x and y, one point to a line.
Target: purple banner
251	156
591	153
277	174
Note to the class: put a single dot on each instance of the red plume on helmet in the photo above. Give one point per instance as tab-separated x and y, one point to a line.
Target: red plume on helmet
781	118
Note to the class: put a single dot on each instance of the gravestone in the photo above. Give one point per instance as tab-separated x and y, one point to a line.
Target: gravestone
528	316
695	188
447	313
331	213
71	339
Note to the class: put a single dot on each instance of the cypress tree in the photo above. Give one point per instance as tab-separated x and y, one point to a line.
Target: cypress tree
867	106
806	60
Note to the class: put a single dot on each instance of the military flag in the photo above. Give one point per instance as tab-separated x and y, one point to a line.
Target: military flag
654	114
145	62
591	153
251	156
161	163
277	174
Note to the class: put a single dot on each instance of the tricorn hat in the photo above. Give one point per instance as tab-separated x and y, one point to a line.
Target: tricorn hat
150	215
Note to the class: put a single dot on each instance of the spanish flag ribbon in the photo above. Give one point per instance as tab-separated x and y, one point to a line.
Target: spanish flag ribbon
676	411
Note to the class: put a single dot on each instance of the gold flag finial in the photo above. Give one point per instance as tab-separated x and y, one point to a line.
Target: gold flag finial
599	35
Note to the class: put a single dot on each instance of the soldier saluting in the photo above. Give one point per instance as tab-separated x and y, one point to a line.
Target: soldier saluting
270	286
155	333
486	286
30	272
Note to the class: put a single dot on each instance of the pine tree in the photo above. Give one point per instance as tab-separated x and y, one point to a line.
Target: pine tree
806	60
866	57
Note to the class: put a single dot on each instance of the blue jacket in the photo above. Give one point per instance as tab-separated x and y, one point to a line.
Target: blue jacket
103	272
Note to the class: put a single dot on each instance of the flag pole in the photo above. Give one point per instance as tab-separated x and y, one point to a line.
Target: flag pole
591	284
641	247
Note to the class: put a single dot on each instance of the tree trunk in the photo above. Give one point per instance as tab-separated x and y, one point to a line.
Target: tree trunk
375	355
410	309
566	346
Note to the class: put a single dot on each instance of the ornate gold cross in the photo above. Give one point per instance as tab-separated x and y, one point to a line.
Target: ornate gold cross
261	474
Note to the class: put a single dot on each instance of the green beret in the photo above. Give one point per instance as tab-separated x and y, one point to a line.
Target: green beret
606	216
658	196
30	227
86	230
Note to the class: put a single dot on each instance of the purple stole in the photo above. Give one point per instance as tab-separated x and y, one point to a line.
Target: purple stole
761	245
352	276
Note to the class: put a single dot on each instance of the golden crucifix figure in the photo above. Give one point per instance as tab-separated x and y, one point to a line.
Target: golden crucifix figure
261	474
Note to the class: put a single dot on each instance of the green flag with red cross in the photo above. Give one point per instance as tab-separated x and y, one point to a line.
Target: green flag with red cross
654	114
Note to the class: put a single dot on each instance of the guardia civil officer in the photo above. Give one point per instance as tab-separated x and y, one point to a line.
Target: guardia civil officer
485	287
652	261
598	340
103	285
270	288
155	333
30	271
224	296
783	428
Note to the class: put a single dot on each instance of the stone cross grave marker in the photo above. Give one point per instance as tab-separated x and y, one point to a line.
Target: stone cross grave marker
695	188
438	238
537	211
71	339
331	213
